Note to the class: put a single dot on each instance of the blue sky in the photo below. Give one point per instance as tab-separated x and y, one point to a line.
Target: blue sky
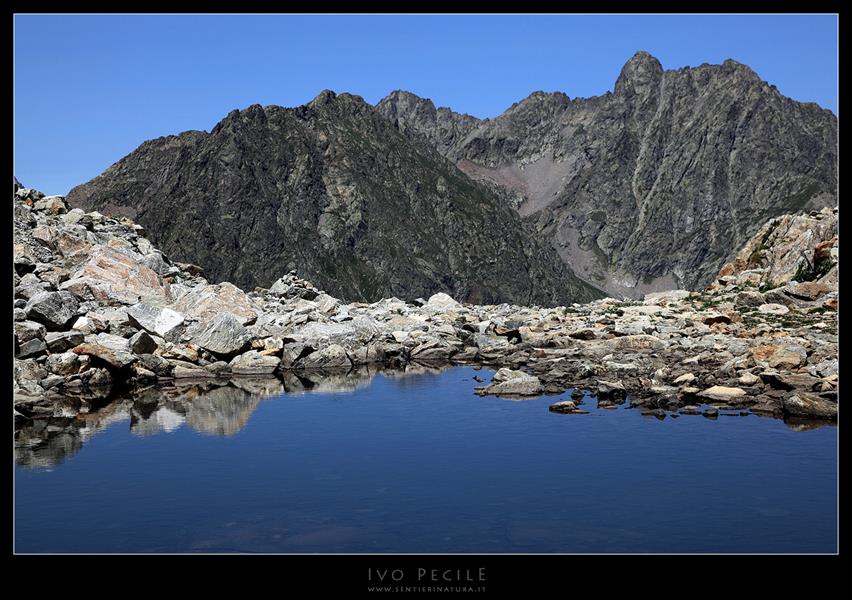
90	89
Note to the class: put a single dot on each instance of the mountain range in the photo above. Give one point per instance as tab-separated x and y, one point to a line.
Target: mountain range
652	186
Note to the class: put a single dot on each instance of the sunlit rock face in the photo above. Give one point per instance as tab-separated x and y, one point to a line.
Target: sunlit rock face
652	186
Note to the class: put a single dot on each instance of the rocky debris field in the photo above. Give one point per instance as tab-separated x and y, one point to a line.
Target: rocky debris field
97	308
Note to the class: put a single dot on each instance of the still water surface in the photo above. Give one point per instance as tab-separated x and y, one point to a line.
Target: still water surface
418	463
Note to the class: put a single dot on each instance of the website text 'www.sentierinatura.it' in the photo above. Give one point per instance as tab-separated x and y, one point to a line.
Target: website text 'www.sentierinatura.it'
426	588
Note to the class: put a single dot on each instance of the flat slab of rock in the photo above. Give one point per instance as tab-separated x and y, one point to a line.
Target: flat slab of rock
254	363
112	275
513	383
111	349
187	370
773	309
160	321
633	343
433	349
789	381
665	297
808	290
206	301
59	341
809	405
722	393
33	347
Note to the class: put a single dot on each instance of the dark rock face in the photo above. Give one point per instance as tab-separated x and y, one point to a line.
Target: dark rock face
441	126
655	185
337	191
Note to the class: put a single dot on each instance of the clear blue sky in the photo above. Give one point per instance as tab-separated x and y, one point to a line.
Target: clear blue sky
90	89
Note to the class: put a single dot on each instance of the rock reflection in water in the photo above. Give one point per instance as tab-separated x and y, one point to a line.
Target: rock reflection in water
219	408
221	411
46	441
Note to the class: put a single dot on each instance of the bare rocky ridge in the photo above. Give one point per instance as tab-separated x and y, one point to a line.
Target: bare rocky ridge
99	309
654	185
333	189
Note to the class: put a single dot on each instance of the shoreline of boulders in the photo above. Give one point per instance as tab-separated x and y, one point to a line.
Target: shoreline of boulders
98	306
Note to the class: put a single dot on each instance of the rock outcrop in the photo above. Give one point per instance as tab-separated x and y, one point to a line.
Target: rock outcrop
652	186
333	189
800	250
731	346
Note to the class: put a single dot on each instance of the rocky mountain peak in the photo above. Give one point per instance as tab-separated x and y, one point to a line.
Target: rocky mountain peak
645	189
541	101
641	74
656	185
414	115
323	98
401	103
333	189
732	66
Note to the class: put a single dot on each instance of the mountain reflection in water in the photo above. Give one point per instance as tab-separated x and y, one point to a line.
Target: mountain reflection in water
207	406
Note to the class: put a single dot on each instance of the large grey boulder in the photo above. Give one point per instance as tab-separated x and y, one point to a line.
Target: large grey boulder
28	330
115	275
55	310
34	347
223	335
160	321
187	370
142	343
332	356
507	382
254	363
112	349
204	302
809	405
63	363
59	341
